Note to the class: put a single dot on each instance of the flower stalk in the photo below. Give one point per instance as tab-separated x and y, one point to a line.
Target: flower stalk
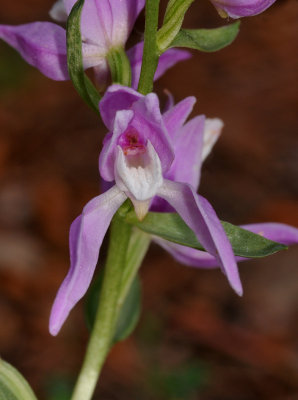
103	329
119	66
150	53
172	23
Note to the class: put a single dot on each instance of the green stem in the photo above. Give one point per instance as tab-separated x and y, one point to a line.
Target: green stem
103	329
150	53
137	249
119	66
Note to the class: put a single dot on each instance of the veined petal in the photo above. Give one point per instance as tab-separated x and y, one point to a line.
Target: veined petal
277	232
176	116
202	219
58	11
241	8
41	44
85	238
188	149
148	120
166	61
108	21
116	98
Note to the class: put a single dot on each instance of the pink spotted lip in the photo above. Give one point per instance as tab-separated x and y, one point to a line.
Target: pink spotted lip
132	143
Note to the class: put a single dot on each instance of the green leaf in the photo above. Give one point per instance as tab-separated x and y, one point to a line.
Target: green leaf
12	384
128	314
206	39
81	82
171	227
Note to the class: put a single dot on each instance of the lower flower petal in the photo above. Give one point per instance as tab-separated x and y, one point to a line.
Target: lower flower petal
202	219
41	44
188	255
86	235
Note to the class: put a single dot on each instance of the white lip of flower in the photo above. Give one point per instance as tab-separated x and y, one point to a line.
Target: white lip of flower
139	176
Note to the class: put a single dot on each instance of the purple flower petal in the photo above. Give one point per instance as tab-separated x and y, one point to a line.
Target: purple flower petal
41	44
202	219
241	8
280	233
188	149
116	98
107	155
187	255
85	238
147	120
170	102
108	22
176	116
275	231
166	61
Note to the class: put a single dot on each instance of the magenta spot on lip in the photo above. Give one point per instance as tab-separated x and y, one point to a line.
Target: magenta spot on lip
131	142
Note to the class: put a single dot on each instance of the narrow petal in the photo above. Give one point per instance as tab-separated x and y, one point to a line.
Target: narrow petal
166	61
116	98
41	44
241	8
212	131
85	238
170	103
108	154
202	219
187	255
188	153
277	232
108	21
176	116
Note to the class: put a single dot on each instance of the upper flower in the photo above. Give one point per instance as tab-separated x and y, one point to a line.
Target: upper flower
105	24
241	8
138	155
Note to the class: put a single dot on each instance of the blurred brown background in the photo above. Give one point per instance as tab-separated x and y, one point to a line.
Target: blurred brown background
196	338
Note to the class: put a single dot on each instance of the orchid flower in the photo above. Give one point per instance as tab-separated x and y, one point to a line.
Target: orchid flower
241	8
192	144
137	155
105	24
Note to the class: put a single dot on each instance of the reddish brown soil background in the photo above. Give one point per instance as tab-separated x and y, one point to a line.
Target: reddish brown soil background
196	338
